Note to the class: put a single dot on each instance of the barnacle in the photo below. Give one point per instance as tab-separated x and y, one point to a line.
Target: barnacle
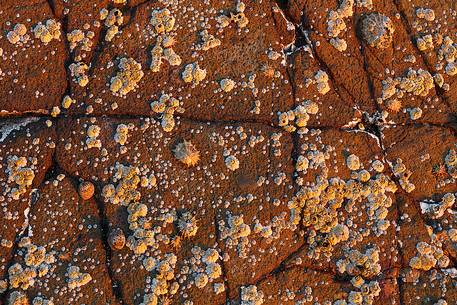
376	30
187	225
116	239
353	162
67	102
232	163
187	153
227	84
415	113
394	105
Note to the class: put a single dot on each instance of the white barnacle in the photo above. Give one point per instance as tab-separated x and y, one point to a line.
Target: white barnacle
232	163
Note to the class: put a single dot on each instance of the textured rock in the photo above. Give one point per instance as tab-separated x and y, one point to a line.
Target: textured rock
228	152
33	74
28	138
70	230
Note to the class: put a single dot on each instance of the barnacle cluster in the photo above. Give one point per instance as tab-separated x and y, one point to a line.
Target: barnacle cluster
20	174
429	256
93	131
48	31
37	264
166	106
317	206
113	19
76	278
250	295
18	34
163	23
164	274
235	233
416	82
451	163
78	38
403	174
365	264
237	16
336	24
297	119
282	158
78	72
121	135
193	73
321	79
127	194
127	77
208	41
206	268
436	210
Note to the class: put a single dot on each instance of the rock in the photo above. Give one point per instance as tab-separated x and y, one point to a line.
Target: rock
246	152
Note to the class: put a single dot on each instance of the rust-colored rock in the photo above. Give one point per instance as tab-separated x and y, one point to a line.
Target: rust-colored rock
228	152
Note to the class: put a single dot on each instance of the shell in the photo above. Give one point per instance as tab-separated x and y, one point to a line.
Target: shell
86	190
116	239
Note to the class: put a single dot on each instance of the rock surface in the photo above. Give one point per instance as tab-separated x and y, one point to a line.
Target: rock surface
228	152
